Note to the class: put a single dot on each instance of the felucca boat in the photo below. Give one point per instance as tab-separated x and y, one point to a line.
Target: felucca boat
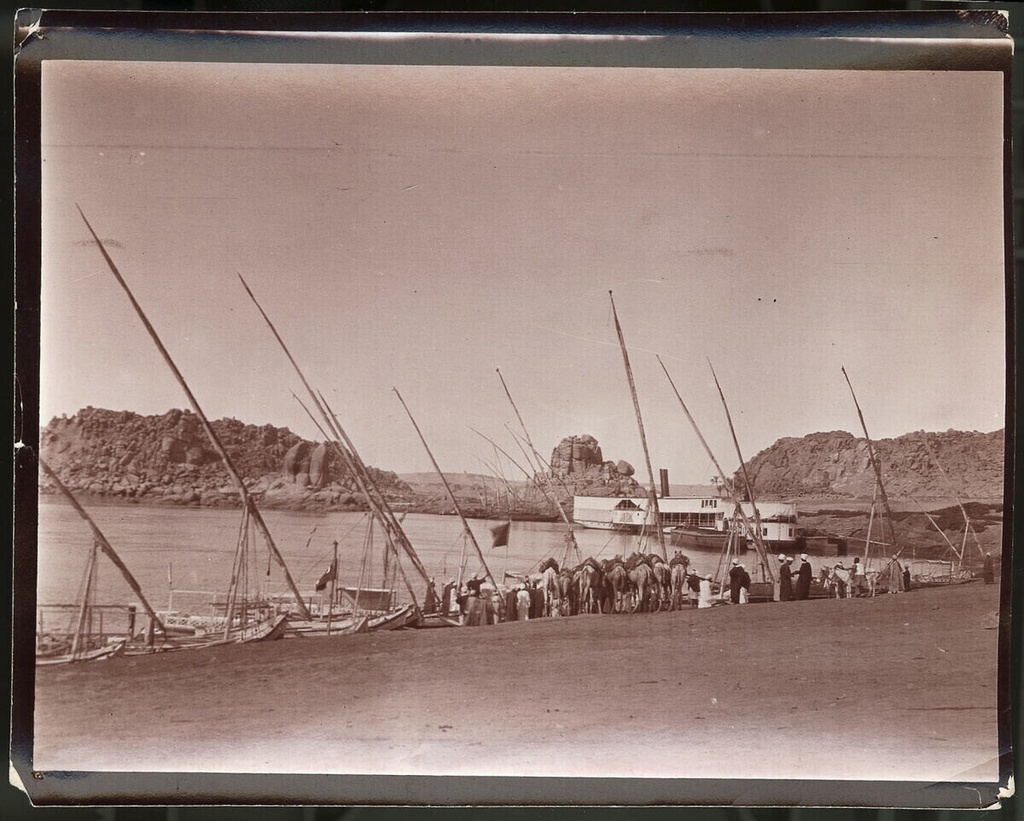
83	637
243	615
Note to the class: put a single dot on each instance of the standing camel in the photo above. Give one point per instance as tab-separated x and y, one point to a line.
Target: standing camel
662	582
552	591
589	587
678	586
643	583
567	591
616	585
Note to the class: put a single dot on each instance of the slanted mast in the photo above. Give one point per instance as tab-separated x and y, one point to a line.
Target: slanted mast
346	451
652	493
108	549
738	507
451	495
247	502
571	545
758	533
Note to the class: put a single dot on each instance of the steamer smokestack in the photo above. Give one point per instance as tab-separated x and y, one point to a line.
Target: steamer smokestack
664	483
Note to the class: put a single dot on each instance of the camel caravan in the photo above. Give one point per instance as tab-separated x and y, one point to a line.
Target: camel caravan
640	583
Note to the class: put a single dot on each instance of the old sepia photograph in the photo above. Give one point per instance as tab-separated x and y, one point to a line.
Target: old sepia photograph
563	406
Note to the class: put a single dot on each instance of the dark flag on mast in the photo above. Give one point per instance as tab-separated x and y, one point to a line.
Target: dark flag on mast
500	534
329	576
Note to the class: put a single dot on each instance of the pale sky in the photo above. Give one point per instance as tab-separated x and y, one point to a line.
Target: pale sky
418	227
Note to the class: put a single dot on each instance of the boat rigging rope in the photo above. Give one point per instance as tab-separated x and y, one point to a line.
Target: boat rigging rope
317	562
610	539
80	595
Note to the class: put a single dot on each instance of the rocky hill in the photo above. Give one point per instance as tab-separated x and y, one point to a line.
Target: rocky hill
836	465
579	467
122	456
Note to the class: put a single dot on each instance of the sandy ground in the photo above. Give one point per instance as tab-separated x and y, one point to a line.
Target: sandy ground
899	687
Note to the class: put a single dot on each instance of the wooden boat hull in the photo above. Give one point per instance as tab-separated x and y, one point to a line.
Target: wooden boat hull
392	621
921	584
696	538
319	628
266	630
96	654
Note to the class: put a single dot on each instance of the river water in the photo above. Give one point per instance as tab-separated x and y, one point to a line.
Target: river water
193	549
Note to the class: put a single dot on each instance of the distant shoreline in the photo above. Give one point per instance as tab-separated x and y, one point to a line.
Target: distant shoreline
808	505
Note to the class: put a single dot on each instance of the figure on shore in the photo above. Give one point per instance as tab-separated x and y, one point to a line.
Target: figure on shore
448	604
803	578
744	585
735	574
988	571
692	588
462	601
858	581
536	600
430	602
523	601
496	608
511	608
476	615
785	578
893	577
705	597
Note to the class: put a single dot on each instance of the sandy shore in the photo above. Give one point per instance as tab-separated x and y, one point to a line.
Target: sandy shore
899	687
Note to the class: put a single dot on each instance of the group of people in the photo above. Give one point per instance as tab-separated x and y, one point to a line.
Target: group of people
699	590
476	606
794	585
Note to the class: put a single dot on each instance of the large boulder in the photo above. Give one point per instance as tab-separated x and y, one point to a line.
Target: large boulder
296	463
319	466
578	463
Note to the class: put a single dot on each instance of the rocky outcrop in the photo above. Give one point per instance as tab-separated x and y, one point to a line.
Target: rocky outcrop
578	464
837	464
168	459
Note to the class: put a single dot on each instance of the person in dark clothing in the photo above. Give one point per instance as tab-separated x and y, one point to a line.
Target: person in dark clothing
988	571
803	578
744	585
430	601
735	575
448	595
536	601
462	600
692	588
906	578
785	579
476	611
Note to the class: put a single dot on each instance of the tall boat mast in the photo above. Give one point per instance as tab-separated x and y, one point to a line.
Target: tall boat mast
375	509
652	494
105	546
721	474
571	536
876	466
243	492
758	537
451	496
349	456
